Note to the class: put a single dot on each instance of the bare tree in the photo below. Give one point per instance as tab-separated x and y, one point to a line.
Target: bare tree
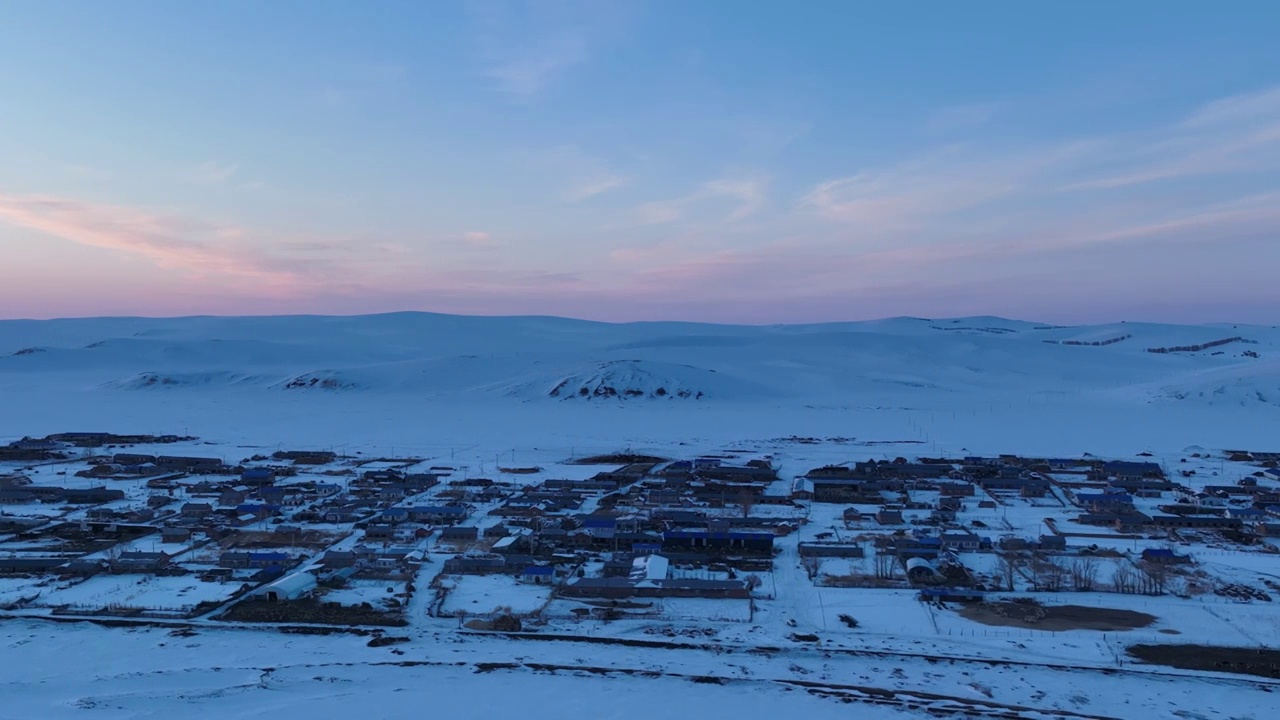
746	501
1052	575
810	566
886	566
1084	573
1125	579
1007	569
1154	578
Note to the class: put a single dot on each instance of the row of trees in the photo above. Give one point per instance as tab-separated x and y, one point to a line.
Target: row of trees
1081	574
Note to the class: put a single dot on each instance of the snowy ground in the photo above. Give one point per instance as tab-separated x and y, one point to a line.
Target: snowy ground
474	394
135	591
483	594
234	673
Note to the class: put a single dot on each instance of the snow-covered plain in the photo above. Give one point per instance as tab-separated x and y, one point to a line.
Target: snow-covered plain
479	392
422	380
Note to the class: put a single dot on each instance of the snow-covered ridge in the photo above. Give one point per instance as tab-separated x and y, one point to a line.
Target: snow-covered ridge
540	359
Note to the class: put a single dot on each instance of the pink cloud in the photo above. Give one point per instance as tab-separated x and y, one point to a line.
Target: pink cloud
196	249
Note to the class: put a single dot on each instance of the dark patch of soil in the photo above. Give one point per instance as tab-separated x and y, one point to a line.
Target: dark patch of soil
309	611
1244	661
617	459
1054	618
385	640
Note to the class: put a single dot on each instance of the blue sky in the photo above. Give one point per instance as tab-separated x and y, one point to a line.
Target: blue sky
725	161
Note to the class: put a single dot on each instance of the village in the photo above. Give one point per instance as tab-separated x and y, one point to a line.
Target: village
97	525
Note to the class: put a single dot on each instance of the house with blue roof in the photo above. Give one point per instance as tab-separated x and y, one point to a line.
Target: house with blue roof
1164	556
538	575
438	514
395	515
1125	469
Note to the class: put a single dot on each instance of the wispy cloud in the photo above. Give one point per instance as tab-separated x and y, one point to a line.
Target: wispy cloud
524	72
580	175
526	46
745	195
596	186
210	172
1048	183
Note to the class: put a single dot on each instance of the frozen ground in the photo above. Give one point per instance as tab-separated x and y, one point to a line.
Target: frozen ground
146	672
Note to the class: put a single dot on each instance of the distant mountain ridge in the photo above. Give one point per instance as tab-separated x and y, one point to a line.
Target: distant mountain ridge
563	360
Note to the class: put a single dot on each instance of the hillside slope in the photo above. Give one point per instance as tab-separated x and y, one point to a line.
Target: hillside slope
538	359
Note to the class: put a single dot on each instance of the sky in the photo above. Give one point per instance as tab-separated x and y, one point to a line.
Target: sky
708	160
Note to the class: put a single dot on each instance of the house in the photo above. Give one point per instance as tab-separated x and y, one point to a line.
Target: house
475	565
86	568
832	550
460	534
960	541
137	561
196	510
1197	522
335	559
133	459
889	517
380	532
91	496
306	457
258	476
12	496
1122	469
256	511
35	444
439	514
1014	544
395	515
743	542
621	587
1053	543
649	568
175	535
940	595
178	463
231	497
265	560
1103	502
600	526
273	495
538	575
233	559
956	489
1164	556
13	565
82	439
842	490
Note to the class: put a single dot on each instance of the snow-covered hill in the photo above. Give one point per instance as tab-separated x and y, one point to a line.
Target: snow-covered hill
537	359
